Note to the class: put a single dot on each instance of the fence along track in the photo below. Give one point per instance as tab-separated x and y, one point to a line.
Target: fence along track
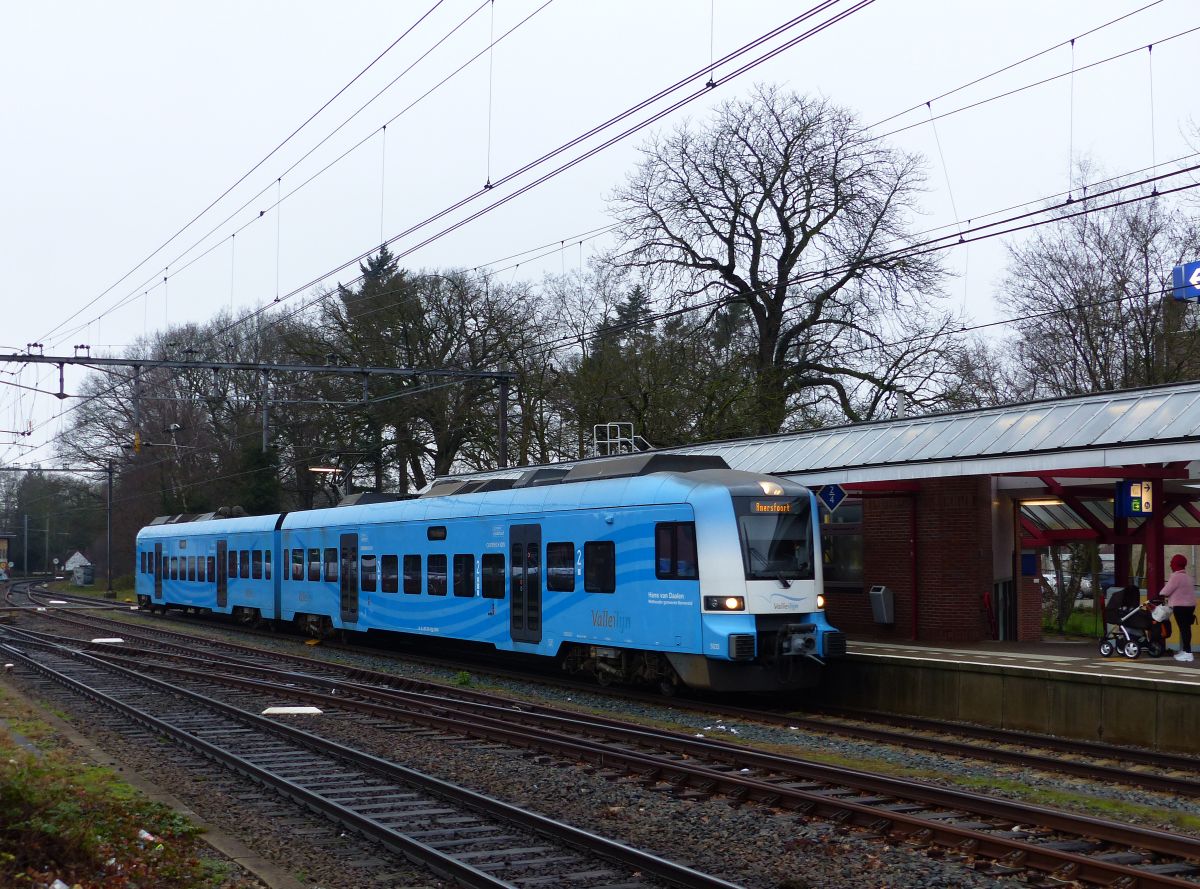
369	795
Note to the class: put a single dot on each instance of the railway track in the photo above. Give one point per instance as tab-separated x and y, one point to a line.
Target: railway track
1152	770
1017	837
459	834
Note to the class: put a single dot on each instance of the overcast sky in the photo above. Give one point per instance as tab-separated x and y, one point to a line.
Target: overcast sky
124	120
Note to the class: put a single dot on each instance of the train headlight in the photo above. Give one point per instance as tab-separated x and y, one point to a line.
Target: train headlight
771	489
724	603
820	601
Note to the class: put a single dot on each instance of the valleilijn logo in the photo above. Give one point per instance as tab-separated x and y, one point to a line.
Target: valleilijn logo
610	620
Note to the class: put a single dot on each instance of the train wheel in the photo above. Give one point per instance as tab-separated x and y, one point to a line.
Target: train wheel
1107	648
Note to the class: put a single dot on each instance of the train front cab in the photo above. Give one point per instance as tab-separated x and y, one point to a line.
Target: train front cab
762	604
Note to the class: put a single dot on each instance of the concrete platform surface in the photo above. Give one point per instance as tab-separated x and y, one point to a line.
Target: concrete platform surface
1073	656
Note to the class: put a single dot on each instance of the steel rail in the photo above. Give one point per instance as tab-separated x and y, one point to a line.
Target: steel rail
1155	781
496	724
590	843
1147	780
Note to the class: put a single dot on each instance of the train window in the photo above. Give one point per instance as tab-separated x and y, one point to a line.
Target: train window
367	573
331	564
212	568
314	564
232	567
600	566
173	569
464	575
436	568
493	576
191	568
244	563
142	563
297	564
412	575
389	574
267	564
675	551
256	564
560	567
436	532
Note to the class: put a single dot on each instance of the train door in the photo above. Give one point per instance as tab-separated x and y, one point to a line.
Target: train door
222	574
525	608
349	578
158	571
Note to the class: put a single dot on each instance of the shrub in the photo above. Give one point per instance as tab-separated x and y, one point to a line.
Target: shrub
81	825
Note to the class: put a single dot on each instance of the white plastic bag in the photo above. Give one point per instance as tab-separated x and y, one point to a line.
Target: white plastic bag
1161	613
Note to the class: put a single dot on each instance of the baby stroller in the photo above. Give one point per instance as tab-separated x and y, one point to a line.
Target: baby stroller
1134	627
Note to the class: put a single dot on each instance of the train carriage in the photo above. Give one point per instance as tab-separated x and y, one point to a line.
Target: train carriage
662	569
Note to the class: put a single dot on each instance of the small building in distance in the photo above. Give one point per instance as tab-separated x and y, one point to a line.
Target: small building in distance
80	568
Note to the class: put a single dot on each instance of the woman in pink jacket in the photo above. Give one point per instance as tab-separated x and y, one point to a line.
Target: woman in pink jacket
1180	594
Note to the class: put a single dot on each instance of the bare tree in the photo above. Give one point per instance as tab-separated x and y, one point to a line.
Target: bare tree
784	204
1090	293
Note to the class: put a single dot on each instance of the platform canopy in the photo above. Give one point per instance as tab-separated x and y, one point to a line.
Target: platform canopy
1136	427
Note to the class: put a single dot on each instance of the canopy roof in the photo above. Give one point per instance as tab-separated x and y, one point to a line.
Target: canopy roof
1130	427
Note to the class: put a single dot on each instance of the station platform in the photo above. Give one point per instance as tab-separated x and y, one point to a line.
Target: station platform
1061	688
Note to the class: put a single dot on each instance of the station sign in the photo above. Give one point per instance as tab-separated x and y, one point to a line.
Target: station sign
831	495
1185	281
1133	499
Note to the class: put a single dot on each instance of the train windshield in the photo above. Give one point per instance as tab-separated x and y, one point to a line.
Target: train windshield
776	537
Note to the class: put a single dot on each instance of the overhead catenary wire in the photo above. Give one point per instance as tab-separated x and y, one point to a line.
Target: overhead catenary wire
1042	82
942	95
794	22
1146	7
251	171
183	266
588	153
977	233
658	115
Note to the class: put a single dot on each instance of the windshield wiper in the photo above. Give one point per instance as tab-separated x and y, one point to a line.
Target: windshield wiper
783	581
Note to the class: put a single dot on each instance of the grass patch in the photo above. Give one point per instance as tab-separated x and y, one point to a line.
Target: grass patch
1081	622
62	819
1115	810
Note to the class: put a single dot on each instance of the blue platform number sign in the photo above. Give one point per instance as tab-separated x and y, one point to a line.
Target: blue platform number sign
1185	280
1133	499
831	495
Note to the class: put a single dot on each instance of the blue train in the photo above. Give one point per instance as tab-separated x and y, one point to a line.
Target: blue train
651	569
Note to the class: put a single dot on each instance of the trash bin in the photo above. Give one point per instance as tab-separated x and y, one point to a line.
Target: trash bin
883	605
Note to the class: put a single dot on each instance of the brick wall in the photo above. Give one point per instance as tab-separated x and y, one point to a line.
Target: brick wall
954	563
1029	610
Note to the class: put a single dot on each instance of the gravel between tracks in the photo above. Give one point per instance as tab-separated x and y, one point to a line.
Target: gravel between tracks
751	845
